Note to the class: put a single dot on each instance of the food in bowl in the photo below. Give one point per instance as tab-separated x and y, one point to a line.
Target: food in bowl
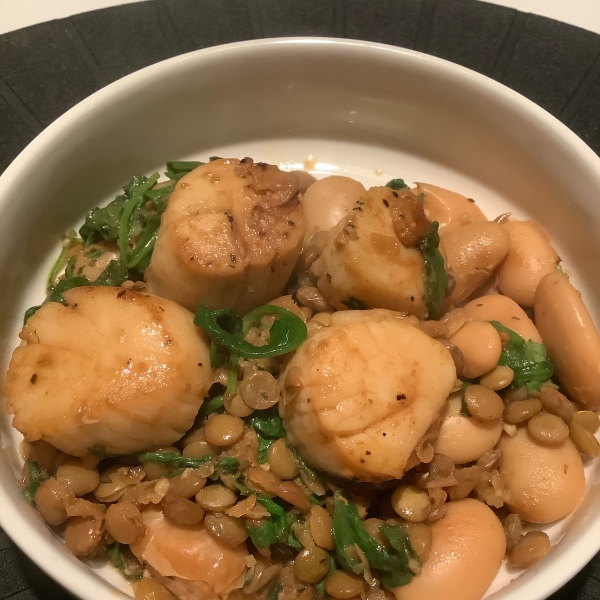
382	422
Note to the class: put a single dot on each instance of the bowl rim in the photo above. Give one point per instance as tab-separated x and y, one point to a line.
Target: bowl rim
83	582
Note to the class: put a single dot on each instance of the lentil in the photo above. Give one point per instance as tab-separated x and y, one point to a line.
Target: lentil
522	410
224	430
547	429
483	403
531	548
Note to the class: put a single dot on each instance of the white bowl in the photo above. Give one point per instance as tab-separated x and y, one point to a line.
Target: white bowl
374	112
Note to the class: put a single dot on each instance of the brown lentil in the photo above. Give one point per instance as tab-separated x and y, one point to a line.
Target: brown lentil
224	430
584	440
216	498
320	524
532	547
197	449
433	329
454	320
340	584
411	503
186	485
82	535
498	378
522	410
291	492
150	589
457	355
587	419
51	500
547	429
513	529
235	406
490	459
310	566
556	403
124	522
281	460
181	511
228	530
259	390
311	297
420	538
483	403
265	480
73	475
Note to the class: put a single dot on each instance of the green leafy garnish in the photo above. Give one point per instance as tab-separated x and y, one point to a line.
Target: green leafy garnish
269	428
115	554
217	356
349	532
226	464
396	184
227	329
528	360
275	527
436	278
99	451
275	590
30	312
354	304
37	476
178	168
210	406
69	241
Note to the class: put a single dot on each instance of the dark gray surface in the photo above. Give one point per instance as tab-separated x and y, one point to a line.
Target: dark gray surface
48	68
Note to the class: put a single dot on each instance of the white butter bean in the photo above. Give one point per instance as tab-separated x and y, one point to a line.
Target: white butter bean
327	201
472	253
464	439
531	256
480	345
450	209
571	338
544	483
467	549
501	308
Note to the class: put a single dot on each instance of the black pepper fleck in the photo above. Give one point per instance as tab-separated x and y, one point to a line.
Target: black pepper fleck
33	378
328	277
386	203
384	434
121	293
470	200
232	256
291	223
368	453
401	397
395	194
199	364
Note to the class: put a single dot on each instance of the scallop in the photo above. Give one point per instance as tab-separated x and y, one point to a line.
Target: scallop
361	395
230	237
111	367
370	258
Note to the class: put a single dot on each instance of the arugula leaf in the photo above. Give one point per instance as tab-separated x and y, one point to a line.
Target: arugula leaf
396	184
217	356
264	444
274	528
275	590
354	304
30	312
37	476
227	329
115	554
69	241
226	464
267	422
102	223
349	532
178	168
210	406
436	278
527	359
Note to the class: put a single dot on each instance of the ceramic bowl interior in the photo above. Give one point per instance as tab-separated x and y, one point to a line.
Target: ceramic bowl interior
370	111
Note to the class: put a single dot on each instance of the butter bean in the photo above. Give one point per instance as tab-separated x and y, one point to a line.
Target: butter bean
559	480
496	307
472	253
570	337
450	209
467	549
465	439
327	201
480	345
531	256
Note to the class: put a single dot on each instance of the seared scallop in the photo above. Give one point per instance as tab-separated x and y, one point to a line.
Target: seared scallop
358	397
111	368
230	237
370	259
